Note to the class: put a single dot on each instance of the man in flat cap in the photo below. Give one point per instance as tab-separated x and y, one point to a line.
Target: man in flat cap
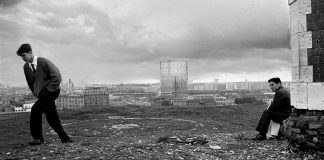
43	79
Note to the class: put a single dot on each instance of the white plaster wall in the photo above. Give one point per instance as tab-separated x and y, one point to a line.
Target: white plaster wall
298	94
315	96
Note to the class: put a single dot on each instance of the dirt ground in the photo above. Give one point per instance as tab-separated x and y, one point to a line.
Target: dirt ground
136	132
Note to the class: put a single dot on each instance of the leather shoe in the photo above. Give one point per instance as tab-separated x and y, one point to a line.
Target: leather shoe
36	142
67	141
259	137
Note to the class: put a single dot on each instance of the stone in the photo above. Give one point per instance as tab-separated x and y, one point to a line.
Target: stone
300	41
300	137
321	147
309	118
309	113
302	73
291	1
322	118
315	125
315	56
287	132
317	39
315	96
315	139
318	77
319	68
284	124
296	130
311	145
303	6
302	124
298	92
318	113
300	57
293	116
293	136
317	6
298	13
312	133
214	147
301	112
290	123
321	131
315	22
320	153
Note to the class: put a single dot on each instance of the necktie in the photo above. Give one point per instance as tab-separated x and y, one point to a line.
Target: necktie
33	67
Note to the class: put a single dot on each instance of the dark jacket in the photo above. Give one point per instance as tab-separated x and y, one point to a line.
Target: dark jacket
47	76
281	101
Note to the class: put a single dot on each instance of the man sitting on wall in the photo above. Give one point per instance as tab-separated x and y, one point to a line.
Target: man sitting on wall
278	110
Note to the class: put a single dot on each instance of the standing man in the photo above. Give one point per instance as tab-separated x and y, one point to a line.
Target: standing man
43	79
278	110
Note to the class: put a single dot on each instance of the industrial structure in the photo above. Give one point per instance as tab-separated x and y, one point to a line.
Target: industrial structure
174	78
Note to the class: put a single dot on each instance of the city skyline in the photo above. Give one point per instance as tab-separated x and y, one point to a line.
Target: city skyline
124	41
65	83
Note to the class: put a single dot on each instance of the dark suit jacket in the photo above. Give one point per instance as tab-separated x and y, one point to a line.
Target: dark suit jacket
47	76
281	101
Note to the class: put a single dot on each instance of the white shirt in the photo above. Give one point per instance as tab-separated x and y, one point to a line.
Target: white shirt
34	63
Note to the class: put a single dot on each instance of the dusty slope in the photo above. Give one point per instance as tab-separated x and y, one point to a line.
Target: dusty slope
132	132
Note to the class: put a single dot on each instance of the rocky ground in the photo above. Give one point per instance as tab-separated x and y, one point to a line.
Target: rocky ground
135	132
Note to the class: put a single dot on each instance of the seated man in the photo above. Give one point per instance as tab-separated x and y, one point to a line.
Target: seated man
278	110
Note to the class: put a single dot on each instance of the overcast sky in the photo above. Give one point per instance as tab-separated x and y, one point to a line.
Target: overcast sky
114	41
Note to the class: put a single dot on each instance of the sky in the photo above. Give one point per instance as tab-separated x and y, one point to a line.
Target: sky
123	41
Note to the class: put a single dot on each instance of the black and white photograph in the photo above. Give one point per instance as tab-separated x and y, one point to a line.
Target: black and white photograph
162	79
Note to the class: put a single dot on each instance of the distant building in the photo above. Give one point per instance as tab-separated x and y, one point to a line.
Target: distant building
26	107
232	86
208	86
143	99
138	103
205	100
174	78
221	86
179	102
7	108
70	86
96	96
70	101
201	101
134	88
117	102
19	109
67	87
28	104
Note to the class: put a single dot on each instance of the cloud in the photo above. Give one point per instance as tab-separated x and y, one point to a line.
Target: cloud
121	40
9	3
